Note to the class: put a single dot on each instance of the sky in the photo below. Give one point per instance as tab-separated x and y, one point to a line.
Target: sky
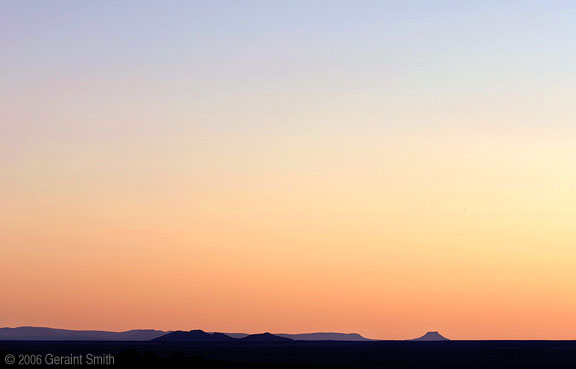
380	167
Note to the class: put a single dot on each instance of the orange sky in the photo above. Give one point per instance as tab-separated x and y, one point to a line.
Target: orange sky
389	241
366	181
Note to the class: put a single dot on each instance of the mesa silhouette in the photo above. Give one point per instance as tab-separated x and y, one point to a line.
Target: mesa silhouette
431	336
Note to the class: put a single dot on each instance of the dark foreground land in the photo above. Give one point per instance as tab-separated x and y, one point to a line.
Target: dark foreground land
297	354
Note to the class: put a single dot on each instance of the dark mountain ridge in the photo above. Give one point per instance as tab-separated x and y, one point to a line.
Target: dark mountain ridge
53	334
204	337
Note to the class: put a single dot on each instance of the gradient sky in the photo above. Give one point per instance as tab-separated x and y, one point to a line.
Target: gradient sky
381	167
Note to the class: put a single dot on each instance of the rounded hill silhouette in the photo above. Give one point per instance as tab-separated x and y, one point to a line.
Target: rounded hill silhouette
196	335
265	337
